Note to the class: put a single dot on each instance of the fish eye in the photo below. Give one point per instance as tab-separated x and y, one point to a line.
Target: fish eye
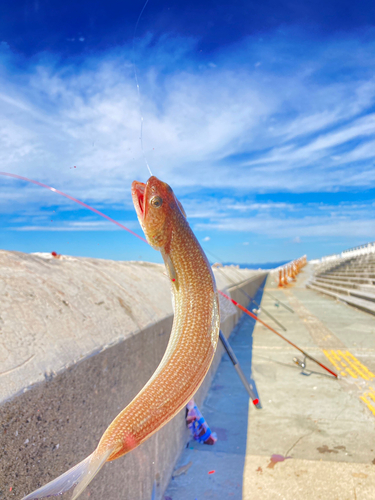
156	201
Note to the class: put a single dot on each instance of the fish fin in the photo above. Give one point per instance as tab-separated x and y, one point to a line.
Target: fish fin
78	476
181	208
170	268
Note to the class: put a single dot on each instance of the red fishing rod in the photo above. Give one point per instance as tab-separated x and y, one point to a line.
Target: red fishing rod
277	333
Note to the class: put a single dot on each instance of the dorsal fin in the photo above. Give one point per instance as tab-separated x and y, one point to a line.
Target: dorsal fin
182	209
180	206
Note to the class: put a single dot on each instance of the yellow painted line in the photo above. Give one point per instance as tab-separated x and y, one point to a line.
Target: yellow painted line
363	367
354	375
354	368
370	395
330	358
360	372
328	355
369	405
334	354
358	366
346	362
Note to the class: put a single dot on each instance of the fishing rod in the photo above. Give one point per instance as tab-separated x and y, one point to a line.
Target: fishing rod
237	367
279	301
277	333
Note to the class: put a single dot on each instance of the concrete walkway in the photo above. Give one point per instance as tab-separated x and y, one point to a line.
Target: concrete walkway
315	436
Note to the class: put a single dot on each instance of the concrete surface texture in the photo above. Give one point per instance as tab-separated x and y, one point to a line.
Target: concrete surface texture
79	339
315	436
349	280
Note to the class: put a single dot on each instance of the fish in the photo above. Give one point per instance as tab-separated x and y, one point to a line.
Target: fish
191	347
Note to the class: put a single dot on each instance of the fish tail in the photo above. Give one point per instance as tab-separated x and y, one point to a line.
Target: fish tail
78	476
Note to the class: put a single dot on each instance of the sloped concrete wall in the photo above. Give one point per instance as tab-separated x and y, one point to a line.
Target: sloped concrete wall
78	339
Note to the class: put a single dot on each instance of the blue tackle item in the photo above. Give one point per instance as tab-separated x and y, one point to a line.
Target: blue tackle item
198	426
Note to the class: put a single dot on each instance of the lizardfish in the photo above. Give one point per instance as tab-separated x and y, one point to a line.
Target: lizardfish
191	346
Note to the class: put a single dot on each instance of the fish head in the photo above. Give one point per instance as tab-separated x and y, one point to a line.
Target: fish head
157	208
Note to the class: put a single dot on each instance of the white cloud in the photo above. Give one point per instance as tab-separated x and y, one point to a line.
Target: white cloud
206	238
196	208
307	227
89	116
309	220
77	226
294	156
228	125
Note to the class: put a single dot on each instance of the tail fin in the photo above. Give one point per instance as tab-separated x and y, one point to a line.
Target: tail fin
80	476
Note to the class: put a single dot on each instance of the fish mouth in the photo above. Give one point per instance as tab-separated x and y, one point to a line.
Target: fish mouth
138	195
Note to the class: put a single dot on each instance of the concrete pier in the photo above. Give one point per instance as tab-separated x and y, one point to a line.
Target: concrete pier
78	339
314	438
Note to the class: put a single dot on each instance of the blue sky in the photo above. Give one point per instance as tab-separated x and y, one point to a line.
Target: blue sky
260	115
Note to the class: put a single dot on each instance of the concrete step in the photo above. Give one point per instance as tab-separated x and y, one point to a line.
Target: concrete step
364	305
333	282
348	279
360	261
358	265
350	274
346	291
367	288
332	287
354	273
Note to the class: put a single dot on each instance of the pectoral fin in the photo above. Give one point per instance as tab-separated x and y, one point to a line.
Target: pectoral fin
170	268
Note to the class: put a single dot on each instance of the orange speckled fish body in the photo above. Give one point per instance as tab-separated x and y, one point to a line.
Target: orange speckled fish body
196	321
191	345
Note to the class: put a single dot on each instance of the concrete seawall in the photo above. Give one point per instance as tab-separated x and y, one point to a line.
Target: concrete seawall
78	339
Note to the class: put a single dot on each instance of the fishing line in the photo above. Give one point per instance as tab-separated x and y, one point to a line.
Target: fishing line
149	169
74	199
137	84
143	239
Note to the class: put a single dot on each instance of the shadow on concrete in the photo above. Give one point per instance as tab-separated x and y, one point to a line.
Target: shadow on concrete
216	472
